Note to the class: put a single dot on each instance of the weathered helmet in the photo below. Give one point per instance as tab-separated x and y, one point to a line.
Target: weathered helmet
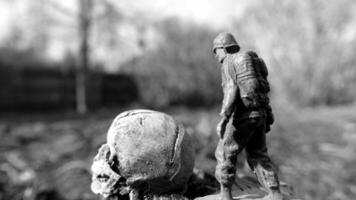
225	40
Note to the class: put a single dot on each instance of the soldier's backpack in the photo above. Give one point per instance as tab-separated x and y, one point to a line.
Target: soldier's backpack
252	78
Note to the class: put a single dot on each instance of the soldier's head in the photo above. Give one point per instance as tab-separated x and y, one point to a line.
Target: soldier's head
223	44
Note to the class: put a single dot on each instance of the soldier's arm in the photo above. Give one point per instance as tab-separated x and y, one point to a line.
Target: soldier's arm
230	90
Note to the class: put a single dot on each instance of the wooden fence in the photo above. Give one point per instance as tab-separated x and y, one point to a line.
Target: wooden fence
40	89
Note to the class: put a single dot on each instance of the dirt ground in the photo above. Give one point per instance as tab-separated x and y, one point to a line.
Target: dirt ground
48	156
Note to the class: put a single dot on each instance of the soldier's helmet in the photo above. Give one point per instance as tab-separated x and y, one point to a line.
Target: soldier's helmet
225	40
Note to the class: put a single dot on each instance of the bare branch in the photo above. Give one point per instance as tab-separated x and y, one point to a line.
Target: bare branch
60	8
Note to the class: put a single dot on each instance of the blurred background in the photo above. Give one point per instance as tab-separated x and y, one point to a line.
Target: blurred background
67	68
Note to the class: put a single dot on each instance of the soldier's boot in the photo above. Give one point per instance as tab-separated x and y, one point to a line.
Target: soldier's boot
225	193
269	180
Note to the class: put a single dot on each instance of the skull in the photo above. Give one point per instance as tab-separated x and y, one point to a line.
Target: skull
147	153
105	180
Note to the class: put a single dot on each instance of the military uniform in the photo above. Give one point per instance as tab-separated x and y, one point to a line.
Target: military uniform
246	107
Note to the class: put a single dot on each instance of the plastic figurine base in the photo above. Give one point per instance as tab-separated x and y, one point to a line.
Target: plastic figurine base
249	189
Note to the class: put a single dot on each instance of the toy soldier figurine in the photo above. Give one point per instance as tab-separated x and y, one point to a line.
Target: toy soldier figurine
246	107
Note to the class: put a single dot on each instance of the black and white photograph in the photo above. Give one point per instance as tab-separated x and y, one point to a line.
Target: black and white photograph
177	100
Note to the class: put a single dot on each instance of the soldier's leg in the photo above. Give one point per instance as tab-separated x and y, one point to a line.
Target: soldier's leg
226	156
258	159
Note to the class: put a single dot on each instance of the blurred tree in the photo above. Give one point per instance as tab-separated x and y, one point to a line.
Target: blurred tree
181	70
28	36
304	45
85	21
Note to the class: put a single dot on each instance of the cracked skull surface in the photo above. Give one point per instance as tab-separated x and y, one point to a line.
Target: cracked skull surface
147	152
